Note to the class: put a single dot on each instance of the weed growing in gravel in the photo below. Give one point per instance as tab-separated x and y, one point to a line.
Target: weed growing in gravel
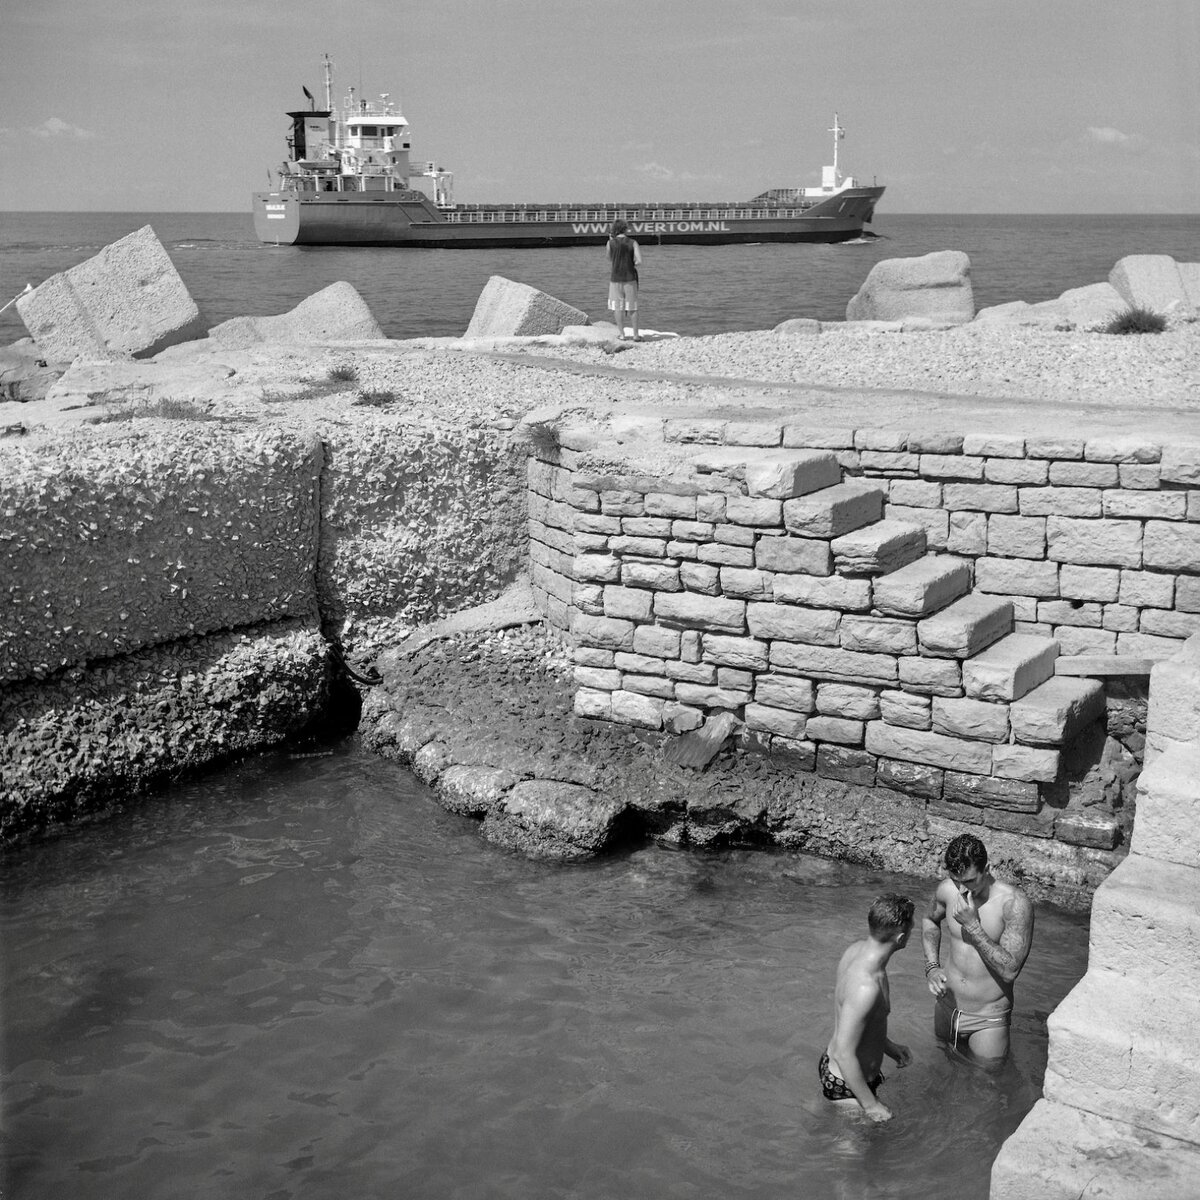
343	373
376	399
165	407
1136	320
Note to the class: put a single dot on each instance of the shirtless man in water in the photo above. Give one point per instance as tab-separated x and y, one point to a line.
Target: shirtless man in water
850	1068
973	972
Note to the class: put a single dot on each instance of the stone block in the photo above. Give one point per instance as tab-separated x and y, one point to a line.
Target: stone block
780	721
1083	474
711	614
704	674
1088	583
1102	543
1164	506
1016	577
794	555
826	662
599	679
922	587
1027	763
627	604
980	497
834	729
973	719
1016	470
847	701
785	691
742	652
639	664
915	493
987	791
878	549
1010	668
878	635
653	641
931	749
1016	537
936	286
905	709
847	595
1150	281
1171	546
1097	830
742	583
796	475
966	627
1174	709
747	510
1168	797
648	685
701	577
913	779
656	577
930	676
506	308
602	632
1180	462
726	556
1110	1019
1056	711
596	568
126	301
845	763
952	466
701	696
785	622
594	704
834	511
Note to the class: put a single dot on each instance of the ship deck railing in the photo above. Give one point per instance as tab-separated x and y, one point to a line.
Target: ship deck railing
477	214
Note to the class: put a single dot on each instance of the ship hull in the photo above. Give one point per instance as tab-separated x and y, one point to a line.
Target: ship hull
385	219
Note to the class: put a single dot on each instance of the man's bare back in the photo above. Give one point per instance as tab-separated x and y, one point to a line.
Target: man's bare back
850	1068
972	971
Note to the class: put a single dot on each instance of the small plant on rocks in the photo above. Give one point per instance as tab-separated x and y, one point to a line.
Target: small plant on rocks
377	398
343	373
1136	320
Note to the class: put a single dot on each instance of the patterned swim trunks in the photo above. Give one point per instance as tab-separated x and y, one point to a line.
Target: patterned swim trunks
833	1087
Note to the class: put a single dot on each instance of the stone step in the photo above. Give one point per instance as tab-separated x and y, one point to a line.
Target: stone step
833	511
878	549
1062	1153
1054	712
1168	790
923	587
1010	667
966	627
1145	924
1128	1048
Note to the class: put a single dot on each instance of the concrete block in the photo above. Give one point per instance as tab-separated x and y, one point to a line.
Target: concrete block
336	313
506	308
936	286
922	587
127	301
834	511
1127	1049
1010	668
786	622
878	549
796	475
1174	709
1149	281
1054	712
931	749
1060	1152
966	627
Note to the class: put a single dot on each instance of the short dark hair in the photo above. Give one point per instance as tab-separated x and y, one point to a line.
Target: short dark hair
965	851
888	913
619	227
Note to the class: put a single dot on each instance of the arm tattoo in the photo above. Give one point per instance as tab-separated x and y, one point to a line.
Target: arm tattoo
1006	957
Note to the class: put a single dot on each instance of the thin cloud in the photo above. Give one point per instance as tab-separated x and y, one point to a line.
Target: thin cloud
657	171
1106	135
56	127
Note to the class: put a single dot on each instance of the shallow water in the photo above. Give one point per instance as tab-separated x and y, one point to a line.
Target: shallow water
302	978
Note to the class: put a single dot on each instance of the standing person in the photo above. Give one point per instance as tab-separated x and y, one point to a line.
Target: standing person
624	257
973	972
850	1067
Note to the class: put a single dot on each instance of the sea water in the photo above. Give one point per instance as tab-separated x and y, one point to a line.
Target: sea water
690	290
301	978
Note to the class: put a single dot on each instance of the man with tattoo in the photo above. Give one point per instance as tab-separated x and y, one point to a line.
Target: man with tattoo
849	1069
972	974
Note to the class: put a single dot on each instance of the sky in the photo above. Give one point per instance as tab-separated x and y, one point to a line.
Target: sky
957	106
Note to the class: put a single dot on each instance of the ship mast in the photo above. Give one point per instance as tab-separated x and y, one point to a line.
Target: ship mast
838	133
329	84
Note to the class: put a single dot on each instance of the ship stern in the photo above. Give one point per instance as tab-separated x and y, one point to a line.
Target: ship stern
276	217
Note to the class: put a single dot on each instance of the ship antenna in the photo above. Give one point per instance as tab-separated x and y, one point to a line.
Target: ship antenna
838	133
328	83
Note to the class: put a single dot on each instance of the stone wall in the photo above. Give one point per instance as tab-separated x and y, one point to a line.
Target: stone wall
938	614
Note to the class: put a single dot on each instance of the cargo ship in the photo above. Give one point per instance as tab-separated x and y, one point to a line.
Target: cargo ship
349	181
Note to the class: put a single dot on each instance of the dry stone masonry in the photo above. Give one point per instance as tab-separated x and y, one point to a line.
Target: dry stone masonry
932	613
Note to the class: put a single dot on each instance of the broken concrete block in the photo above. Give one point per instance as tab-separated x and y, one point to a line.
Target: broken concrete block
509	309
937	286
334	314
1149	281
127	301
